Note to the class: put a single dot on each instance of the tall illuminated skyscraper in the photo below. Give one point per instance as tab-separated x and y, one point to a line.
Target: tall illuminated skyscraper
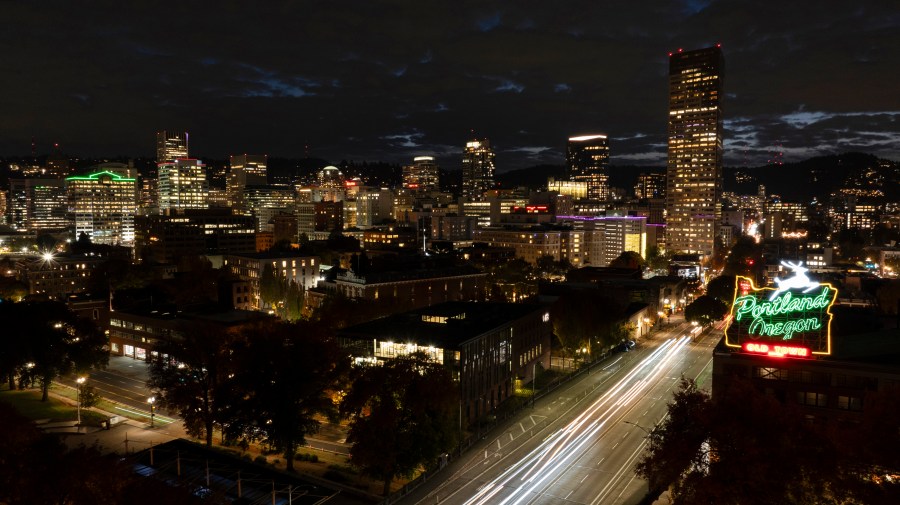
246	170
478	169
171	146
587	158
423	175
694	170
103	204
182	185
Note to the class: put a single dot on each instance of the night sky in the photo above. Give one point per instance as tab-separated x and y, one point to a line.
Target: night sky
387	80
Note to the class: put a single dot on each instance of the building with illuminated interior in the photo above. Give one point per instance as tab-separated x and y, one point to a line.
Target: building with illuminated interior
103	205
489	347
477	169
182	185
171	146
694	168
587	160
422	176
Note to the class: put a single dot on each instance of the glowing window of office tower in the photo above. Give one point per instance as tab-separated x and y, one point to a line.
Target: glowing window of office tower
171	146
694	169
423	175
103	204
587	159
478	169
246	170
182	185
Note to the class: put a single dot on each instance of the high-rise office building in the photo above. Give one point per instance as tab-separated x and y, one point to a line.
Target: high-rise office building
694	170
103	204
650	186
182	185
587	158
171	146
478	169
246	170
422	176
37	205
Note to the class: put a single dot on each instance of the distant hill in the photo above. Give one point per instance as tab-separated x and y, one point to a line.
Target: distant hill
817	177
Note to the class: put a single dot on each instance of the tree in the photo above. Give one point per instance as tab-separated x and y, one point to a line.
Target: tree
270	286
585	319
403	414
47	340
293	302
628	259
188	375
285	376
721	288
656	259
705	309
741	448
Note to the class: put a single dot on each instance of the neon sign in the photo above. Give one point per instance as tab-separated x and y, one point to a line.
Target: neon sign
778	351
791	320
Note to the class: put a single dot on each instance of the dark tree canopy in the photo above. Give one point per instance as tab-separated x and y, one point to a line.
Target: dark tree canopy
628	259
44	340
404	414
747	447
285	377
705	310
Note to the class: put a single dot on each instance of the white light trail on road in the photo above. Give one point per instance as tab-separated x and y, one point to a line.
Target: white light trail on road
557	450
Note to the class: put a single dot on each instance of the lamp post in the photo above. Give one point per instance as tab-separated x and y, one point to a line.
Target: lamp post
151	401
80	382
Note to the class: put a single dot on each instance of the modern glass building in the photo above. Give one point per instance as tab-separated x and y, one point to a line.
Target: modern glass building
587	159
478	169
182	185
171	146
694	169
103	205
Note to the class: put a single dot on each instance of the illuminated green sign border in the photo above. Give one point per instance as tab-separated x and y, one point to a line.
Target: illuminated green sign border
790	316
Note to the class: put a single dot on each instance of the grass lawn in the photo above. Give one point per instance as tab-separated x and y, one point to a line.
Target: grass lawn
29	404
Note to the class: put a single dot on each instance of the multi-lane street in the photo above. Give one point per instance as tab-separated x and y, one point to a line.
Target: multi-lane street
580	443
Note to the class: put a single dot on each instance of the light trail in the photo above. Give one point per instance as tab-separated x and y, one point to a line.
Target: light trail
525	478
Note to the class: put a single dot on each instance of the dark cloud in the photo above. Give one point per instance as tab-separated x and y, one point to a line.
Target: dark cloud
388	80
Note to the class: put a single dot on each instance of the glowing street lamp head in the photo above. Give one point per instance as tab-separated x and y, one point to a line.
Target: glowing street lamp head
81	380
151	400
47	256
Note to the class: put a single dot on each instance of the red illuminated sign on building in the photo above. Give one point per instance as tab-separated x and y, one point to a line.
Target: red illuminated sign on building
776	350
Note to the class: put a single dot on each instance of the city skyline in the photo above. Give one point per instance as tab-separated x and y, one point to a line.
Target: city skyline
388	83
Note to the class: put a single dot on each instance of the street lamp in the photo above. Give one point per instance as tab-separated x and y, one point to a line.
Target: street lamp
80	382
151	401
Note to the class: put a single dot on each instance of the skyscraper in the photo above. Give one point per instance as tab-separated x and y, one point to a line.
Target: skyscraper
103	204
182	185
587	158
478	169
422	175
246	170
694	170
170	146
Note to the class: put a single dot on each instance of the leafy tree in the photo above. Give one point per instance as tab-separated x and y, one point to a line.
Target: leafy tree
546	263
745	257
12	289
88	396
285	376
188	375
586	319
705	309
403	414
48	340
721	288
656	259
293	302
628	259
740	448
270	286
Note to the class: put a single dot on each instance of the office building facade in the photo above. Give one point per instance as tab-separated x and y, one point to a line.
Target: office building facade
694	168
478	169
587	160
182	185
171	146
422	176
103	205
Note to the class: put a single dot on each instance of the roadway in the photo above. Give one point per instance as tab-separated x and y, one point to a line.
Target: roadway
579	445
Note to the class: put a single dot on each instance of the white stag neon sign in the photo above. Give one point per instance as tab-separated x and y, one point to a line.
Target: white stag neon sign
798	281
